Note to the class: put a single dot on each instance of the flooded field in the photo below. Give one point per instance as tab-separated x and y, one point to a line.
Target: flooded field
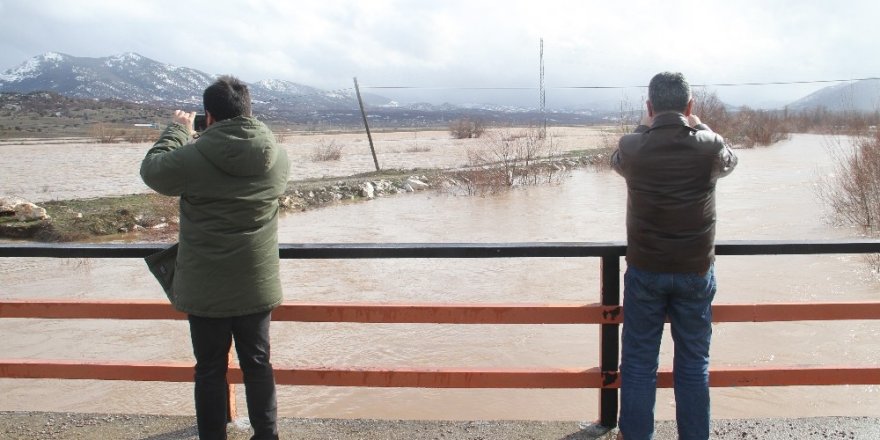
58	171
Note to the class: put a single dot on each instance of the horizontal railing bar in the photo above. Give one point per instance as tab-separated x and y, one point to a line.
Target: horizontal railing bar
797	247
77	250
429	313
438	377
777	375
450	250
99	370
328	312
786	376
447	250
448	313
89	309
779	312
320	376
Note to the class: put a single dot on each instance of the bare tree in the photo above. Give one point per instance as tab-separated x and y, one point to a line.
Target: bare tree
853	188
509	159
326	151
711	110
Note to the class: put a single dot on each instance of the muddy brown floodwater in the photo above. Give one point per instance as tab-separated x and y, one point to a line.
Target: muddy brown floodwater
770	196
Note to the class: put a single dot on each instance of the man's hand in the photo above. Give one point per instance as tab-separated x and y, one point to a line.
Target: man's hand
694	121
185	119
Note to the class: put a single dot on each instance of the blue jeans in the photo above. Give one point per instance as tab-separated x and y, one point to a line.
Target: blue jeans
211	339
648	299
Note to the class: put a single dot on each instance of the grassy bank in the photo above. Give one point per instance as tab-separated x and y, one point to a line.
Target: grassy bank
155	217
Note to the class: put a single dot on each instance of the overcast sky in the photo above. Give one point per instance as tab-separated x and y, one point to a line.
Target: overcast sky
470	43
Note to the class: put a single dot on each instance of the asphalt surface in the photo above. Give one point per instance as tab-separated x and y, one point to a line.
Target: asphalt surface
64	426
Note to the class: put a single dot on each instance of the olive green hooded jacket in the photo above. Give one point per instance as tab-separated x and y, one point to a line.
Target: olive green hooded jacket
229	180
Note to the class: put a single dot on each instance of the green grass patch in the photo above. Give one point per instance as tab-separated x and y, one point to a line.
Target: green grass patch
80	219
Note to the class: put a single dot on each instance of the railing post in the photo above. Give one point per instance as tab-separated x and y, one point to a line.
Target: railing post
610	342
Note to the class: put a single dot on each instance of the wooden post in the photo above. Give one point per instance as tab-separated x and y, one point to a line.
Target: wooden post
366	125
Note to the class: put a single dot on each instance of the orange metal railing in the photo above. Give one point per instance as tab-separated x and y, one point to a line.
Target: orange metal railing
609	316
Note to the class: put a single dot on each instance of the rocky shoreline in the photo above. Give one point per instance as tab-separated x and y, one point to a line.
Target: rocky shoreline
154	217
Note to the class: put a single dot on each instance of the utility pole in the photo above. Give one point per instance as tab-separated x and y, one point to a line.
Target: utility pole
543	94
366	125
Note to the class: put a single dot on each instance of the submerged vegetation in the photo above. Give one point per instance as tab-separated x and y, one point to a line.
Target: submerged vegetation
852	190
510	158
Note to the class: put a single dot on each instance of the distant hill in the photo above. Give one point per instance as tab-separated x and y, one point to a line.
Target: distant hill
135	78
49	114
861	95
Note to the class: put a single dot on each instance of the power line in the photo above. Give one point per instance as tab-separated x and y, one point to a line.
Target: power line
343	90
774	83
448	88
766	83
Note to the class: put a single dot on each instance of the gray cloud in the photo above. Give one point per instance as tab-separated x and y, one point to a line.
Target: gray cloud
460	43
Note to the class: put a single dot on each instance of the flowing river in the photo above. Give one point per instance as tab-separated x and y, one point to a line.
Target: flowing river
772	195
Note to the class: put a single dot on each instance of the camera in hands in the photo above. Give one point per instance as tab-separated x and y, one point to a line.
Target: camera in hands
200	123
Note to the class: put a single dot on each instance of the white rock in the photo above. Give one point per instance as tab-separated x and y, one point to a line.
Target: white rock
26	212
382	185
23	210
367	190
415	184
8	204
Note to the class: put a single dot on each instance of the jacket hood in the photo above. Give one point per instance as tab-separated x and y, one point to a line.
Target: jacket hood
241	146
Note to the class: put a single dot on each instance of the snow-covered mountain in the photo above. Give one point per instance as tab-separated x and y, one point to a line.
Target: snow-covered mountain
276	94
128	77
135	78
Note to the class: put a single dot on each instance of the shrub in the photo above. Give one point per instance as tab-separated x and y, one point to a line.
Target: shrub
326	151
105	133
467	128
418	149
752	128
745	127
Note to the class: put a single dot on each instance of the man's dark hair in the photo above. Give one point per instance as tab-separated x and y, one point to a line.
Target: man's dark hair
669	91
227	98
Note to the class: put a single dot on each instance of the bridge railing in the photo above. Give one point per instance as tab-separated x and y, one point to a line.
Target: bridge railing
607	314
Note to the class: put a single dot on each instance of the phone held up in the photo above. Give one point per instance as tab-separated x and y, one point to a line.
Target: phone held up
200	123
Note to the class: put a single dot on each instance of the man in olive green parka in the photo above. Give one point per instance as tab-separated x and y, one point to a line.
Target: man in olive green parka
226	275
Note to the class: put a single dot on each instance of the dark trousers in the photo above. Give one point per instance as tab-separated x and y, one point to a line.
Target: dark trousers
211	339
